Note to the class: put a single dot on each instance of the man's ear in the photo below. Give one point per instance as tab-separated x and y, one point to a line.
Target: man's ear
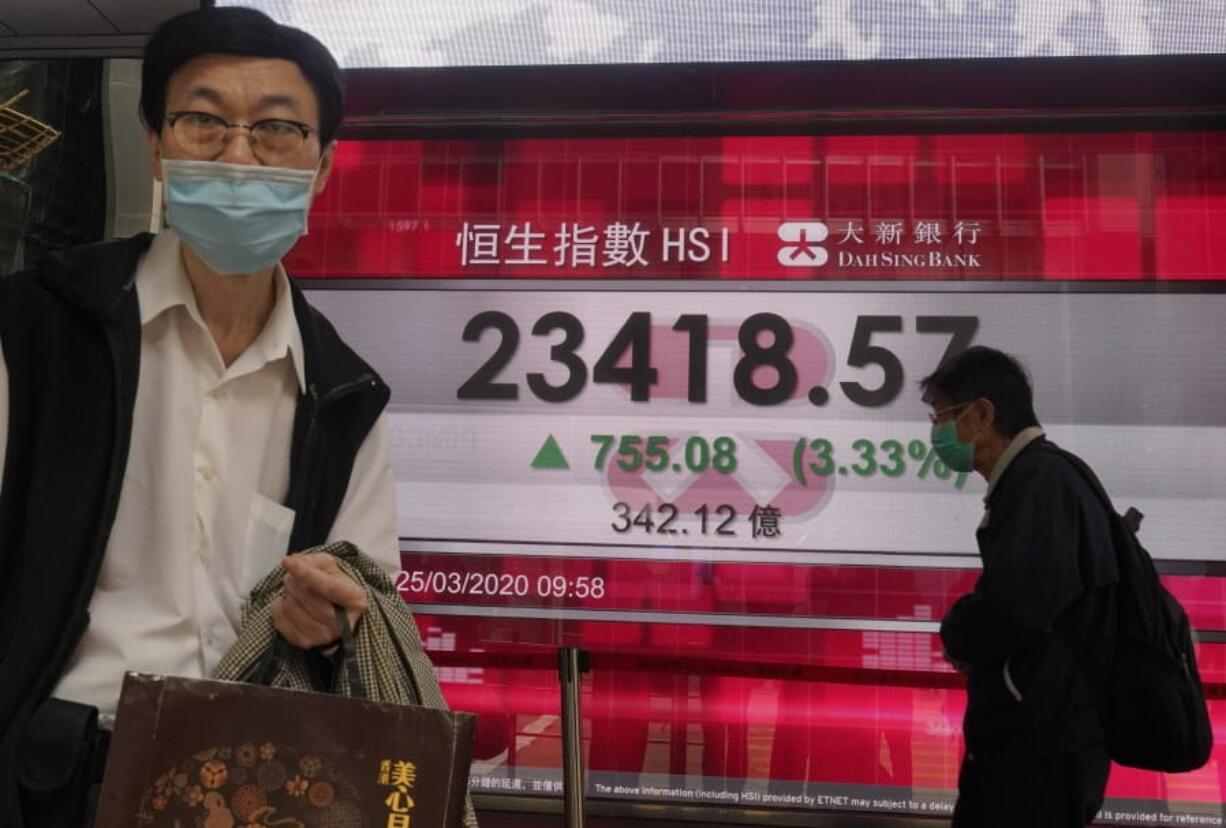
155	153
325	169
987	412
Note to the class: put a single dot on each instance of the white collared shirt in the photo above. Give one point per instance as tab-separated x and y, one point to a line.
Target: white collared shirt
199	519
1020	440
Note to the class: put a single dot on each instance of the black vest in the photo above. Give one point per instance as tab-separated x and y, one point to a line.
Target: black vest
70	330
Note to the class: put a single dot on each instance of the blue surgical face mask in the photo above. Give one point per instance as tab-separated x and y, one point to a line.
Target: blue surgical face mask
239	218
951	451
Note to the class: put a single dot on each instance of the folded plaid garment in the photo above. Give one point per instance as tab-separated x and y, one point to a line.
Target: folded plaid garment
392	665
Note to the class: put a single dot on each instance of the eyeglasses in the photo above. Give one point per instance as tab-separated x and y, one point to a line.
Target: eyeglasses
935	416
272	139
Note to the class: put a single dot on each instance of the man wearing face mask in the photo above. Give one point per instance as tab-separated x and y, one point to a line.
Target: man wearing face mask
174	417
1035	636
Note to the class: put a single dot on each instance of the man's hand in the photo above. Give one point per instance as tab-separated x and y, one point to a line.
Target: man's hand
314	584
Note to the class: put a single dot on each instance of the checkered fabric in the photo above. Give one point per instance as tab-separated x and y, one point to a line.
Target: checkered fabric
392	664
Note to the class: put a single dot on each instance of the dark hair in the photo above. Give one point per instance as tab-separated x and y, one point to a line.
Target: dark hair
237	31
985	372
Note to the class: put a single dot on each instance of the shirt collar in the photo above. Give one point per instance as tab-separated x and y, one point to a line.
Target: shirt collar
162	284
1022	439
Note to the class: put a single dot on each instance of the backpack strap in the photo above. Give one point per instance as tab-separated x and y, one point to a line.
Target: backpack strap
1132	518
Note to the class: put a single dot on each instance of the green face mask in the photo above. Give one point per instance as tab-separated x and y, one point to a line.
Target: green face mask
951	451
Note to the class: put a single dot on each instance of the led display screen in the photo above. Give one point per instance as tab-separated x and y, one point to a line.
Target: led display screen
657	397
419	33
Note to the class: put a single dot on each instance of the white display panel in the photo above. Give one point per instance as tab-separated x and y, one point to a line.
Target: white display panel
419	33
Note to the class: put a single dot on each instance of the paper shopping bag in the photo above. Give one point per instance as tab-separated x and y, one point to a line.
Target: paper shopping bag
191	752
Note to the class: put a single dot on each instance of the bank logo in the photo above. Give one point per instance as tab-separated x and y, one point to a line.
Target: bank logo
804	243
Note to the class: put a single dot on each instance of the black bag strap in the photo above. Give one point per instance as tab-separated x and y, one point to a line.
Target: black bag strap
265	668
264	671
1132	518
349	656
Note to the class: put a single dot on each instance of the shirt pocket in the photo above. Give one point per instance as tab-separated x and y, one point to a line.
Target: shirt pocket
269	526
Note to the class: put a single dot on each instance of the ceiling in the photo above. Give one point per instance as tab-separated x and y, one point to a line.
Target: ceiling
82	28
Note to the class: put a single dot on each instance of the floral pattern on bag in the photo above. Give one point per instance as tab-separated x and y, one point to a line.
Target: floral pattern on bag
246	786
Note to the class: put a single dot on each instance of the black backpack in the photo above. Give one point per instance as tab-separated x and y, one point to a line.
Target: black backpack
1154	709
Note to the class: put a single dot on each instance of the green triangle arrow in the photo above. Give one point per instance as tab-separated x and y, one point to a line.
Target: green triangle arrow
550	456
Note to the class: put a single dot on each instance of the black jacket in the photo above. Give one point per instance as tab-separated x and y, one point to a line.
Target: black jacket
70	330
1039	628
